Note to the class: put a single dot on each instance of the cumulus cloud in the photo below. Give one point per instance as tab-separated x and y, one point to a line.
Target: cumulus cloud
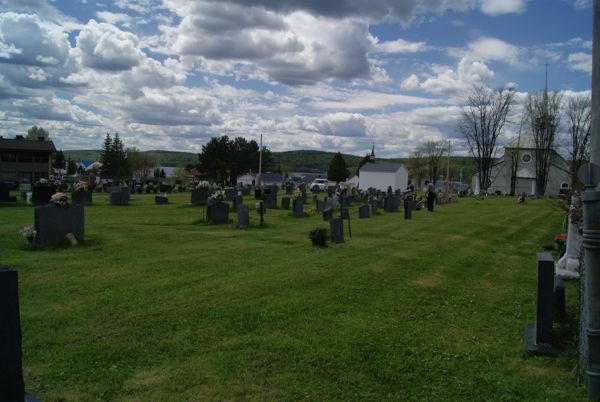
499	7
400	46
105	47
580	62
493	49
450	81
25	39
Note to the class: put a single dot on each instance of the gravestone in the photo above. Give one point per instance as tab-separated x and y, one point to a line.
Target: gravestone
4	193
285	203
119	195
363	212
270	200
200	196
289	187
538	338
344	213
218	212
298	207
408	206
237	200
41	194
12	387
336	227
81	197
161	200
303	192
246	190
243	216
391	203
375	206
230	192
319	205
327	214
315	198
52	223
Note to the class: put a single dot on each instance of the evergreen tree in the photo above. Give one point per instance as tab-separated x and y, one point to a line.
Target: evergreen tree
106	157
337	168
59	160
71	167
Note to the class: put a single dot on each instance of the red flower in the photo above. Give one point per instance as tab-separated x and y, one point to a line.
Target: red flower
560	237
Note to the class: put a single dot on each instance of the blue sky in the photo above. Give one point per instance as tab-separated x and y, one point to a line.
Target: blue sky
336	75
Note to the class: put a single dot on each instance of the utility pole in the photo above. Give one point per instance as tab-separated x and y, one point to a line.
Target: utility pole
590	176
448	175
258	183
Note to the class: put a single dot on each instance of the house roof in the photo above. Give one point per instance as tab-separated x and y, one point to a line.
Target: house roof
276	177
380	167
26	145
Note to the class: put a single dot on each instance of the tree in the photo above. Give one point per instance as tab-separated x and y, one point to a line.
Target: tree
114	159
106	157
481	122
59	160
180	176
366	159
416	166
71	167
578	112
337	168
543	110
35	132
512	155
223	159
432	152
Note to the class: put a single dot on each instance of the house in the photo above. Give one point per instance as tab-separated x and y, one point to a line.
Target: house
524	152
23	159
266	179
383	175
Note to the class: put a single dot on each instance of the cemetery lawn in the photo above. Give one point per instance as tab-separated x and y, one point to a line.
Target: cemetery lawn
157	305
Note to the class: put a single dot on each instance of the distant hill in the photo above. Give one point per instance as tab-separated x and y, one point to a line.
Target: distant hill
289	161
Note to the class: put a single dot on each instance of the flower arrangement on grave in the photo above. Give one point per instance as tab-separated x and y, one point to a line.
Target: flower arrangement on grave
42	183
80	186
59	199
203	183
297	194
28	232
218	196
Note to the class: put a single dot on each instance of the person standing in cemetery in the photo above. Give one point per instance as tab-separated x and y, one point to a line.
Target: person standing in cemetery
430	196
408	200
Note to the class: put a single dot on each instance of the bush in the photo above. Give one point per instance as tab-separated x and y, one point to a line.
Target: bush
318	237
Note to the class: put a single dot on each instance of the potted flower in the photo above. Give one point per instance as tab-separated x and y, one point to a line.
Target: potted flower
218	211
80	194
59	199
29	233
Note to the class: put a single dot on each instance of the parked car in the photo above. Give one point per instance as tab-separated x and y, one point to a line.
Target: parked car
319	184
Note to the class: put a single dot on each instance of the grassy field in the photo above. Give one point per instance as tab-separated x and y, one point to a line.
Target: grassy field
157	305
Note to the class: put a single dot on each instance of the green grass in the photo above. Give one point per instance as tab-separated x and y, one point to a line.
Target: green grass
156	306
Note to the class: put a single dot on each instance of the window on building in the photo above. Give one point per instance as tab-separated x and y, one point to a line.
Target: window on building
26	157
8	157
41	158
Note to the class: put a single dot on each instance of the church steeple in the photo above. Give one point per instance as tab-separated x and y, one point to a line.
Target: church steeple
373	152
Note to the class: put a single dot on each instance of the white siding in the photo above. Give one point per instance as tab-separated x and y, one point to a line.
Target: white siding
382	180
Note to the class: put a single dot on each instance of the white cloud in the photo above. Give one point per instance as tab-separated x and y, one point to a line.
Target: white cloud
582	4
410	83
580	62
105	47
400	46
499	7
114	18
493	49
449	81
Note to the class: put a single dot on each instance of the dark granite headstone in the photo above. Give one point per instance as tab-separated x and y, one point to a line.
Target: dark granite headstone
285	203
319	205
243	216
363	211
344	213
538	338
270	200
237	200
200	196
298	207
327	214
246	191
336	227
303	192
53	223
119	195
161	200
391	204
374	207
12	387
218	212
230	192
4	193
315	198
41	195
81	197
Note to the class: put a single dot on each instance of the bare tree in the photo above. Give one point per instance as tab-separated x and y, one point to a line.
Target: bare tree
513	156
432	152
481	122
543	110
578	111
417	166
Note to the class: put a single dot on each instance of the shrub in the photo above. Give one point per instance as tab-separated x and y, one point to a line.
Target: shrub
318	237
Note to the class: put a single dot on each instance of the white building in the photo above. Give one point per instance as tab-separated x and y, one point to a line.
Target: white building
383	175
524	152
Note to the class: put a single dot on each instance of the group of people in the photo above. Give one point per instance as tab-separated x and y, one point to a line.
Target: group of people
409	198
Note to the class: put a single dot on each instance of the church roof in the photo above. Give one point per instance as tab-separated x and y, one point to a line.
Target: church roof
525	142
380	167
